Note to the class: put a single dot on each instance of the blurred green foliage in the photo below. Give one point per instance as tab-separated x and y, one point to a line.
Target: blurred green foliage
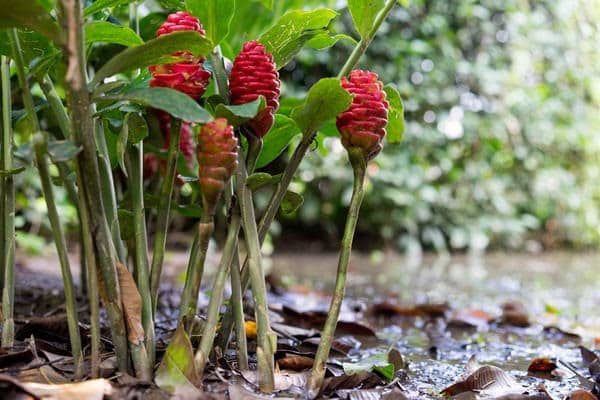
502	138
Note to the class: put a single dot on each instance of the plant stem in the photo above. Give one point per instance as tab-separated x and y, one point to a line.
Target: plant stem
193	276
365	41
164	209
216	59
142	270
8	212
317	373
78	99
237	305
40	143
216	296
40	146
265	343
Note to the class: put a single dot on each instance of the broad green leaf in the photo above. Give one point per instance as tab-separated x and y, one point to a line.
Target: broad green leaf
237	115
102	31
138	128
293	30
292	201
216	16
325	40
29	14
267	3
172	101
261	179
395	126
172	4
150	24
279	137
62	150
153	52
384	363
100	5
34	45
177	373
324	101
363	14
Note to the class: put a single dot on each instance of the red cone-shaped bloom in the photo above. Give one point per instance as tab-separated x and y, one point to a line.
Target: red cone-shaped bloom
254	74
217	154
186	76
363	124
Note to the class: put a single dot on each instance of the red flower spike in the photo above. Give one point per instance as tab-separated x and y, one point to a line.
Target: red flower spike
217	154
363	124
187	76
254	74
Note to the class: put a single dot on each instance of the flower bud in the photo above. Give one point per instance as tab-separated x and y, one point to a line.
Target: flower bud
254	74
363	124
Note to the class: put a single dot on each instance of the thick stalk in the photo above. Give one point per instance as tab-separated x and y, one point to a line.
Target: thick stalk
216	295
290	170
237	305
222	87
317	373
193	276
265	338
142	269
88	171
365	41
40	143
7	257
91	282
164	209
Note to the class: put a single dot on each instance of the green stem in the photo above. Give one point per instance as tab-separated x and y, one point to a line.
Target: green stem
365	41
237	305
142	269
265	343
56	105
193	276
88	172
40	146
216	59
164	209
91	282
317	373
8	213
216	296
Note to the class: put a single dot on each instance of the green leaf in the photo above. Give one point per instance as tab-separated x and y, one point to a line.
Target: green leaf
216	16
385	364
152	52
279	137
189	211
172	4
324	101
138	128
237	115
267	3
34	46
291	202
102	31
29	14
100	5
325	40
293	30
261	179
62	150
172	101
177	373
363	14
395	126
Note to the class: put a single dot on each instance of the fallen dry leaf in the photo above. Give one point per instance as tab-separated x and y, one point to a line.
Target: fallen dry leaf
487	378
132	305
361	380
94	389
542	364
284	380
514	313
581	395
470	318
295	362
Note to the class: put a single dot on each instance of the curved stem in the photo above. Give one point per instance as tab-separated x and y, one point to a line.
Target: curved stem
164	209
7	257
365	41
216	295
317	373
40	146
193	278
142	270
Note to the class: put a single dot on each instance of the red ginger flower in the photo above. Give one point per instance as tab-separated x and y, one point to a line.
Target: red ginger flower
217	154
186	76
254	74
363	124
